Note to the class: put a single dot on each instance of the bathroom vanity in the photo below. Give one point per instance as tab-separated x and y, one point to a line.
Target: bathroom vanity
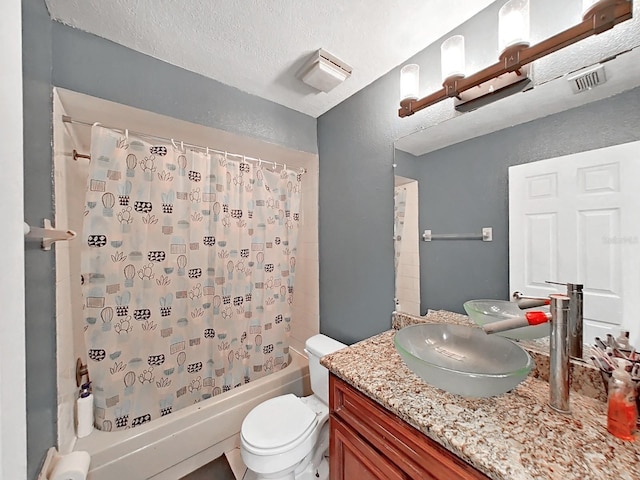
386	423
368	442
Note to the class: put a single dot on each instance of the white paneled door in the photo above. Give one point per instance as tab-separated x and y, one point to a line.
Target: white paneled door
575	219
13	420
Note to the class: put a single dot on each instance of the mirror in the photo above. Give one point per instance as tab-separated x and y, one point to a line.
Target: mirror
406	247
461	161
465	187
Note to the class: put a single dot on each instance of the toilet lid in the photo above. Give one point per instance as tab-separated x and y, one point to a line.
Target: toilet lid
277	424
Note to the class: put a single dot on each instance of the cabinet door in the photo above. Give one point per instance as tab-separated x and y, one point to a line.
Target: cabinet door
380	441
351	458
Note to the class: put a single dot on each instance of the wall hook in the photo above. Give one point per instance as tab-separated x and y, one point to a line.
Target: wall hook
48	234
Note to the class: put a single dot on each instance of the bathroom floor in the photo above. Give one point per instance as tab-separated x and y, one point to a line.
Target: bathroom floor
220	469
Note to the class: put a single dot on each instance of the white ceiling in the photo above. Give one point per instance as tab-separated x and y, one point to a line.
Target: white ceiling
258	46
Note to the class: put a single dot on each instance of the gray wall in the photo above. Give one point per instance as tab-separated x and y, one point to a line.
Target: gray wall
57	55
88	64
355	218
356	178
465	187
39	265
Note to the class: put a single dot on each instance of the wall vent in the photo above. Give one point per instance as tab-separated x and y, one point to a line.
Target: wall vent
587	79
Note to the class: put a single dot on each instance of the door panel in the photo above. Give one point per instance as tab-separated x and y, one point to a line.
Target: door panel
352	458
541	249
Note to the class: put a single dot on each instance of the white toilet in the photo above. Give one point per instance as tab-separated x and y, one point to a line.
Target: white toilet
287	437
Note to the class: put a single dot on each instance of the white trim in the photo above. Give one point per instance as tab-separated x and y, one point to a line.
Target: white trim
13	435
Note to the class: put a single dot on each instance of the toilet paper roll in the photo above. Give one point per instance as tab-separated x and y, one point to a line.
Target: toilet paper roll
73	466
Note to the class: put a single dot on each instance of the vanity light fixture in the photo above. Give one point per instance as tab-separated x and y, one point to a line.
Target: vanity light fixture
510	73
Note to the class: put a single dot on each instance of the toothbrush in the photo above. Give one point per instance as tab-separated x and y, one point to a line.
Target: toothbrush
604	358
605	368
600	344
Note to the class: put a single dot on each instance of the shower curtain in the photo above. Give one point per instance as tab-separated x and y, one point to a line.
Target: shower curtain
188	269
399	207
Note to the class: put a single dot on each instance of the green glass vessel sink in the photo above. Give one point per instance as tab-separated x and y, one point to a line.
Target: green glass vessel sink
463	359
484	311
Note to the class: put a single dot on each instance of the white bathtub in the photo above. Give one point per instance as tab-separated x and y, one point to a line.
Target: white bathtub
170	447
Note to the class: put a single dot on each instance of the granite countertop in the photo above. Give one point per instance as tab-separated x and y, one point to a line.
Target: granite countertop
509	437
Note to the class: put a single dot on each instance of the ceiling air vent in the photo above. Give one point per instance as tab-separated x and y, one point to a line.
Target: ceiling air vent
324	71
587	79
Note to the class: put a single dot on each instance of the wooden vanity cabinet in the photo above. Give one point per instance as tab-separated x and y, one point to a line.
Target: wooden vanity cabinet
370	443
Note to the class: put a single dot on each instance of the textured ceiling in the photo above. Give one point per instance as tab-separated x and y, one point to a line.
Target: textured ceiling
258	46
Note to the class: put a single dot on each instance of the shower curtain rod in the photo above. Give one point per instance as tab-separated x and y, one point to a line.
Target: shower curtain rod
76	155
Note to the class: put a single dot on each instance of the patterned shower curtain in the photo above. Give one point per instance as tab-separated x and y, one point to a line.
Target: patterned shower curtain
399	207
188	265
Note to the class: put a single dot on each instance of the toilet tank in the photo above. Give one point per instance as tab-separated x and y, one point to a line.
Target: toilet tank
317	347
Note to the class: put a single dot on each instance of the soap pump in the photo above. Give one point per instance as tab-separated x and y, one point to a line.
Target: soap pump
622	412
84	410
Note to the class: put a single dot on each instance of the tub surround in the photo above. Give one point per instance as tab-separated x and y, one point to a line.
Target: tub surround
511	436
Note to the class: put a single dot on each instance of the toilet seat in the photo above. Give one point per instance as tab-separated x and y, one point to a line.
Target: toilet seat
277	425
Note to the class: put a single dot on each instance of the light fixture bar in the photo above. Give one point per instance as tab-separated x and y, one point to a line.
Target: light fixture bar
599	18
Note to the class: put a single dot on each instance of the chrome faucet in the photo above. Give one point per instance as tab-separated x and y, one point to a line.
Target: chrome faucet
559	353
576	302
565	339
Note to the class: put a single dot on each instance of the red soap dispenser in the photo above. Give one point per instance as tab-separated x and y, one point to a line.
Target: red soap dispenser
622	412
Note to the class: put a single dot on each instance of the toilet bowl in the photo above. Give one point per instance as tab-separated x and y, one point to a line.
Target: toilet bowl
287	437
